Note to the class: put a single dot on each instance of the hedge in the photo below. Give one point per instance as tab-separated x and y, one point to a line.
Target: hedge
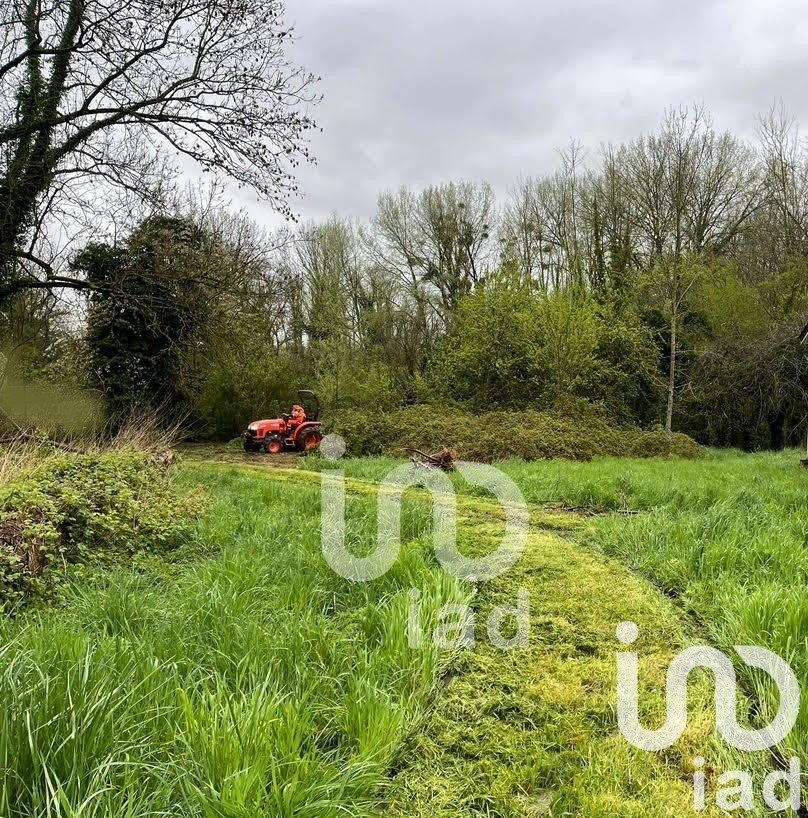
499	435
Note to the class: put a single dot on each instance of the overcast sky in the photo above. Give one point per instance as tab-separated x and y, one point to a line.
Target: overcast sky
418	92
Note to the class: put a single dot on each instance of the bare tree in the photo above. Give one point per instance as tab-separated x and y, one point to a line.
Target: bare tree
436	242
96	90
786	168
691	191
547	224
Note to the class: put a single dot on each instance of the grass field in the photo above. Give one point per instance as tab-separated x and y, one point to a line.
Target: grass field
249	682
244	678
726	536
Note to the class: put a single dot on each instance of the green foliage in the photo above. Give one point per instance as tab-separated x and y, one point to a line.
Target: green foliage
353	382
245	383
202	321
513	347
77	508
488	436
747	373
624	381
237	389
146	308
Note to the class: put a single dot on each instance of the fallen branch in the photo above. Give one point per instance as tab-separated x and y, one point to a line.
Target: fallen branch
443	459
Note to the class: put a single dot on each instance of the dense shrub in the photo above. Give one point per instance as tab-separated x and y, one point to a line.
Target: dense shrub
72	508
232	393
510	347
145	309
496	435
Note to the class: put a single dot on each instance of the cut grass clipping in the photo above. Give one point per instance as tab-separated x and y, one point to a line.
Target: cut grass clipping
724	536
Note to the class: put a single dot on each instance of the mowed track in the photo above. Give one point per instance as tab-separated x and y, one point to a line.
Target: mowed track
228	454
530	732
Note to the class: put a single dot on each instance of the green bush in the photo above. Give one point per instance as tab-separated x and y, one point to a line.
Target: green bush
492	436
72	508
512	347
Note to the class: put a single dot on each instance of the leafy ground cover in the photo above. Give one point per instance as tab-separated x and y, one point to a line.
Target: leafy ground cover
59	509
487	436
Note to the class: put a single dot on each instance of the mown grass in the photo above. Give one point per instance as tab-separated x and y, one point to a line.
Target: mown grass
726	536
531	731
730	542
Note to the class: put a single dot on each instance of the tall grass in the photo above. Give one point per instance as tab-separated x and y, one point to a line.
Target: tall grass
729	539
726	535
19	456
142	431
259	683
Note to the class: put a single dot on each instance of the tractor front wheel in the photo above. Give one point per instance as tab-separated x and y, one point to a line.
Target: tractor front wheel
274	445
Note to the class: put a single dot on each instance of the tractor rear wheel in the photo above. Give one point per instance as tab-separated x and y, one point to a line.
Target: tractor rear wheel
274	445
310	441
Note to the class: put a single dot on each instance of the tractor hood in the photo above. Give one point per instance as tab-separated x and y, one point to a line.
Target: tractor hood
263	426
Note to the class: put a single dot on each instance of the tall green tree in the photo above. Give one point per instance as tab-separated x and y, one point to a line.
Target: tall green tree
145	312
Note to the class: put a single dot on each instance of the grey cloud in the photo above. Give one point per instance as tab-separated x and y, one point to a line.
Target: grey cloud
424	91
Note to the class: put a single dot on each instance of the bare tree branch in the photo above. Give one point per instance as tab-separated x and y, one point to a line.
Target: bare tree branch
82	81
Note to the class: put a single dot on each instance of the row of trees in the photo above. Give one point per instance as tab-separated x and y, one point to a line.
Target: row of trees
661	281
665	280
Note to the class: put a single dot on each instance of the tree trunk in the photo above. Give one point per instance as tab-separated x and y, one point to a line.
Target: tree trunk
671	377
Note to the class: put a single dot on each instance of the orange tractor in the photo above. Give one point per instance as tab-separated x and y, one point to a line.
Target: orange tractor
298	431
